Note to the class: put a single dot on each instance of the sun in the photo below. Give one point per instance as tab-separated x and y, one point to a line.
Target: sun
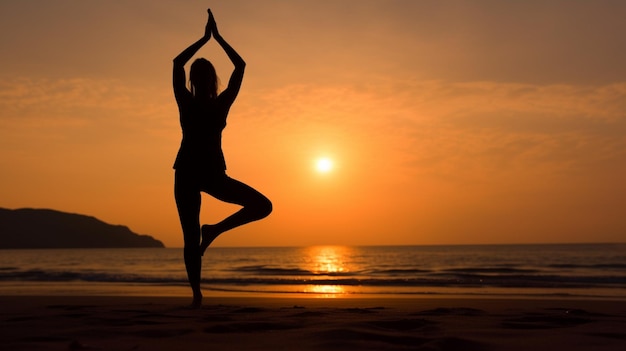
323	165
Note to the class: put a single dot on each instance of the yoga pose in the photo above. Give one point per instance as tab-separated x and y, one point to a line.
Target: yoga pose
200	164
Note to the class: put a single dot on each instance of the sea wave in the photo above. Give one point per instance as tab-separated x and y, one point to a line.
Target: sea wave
453	278
552	269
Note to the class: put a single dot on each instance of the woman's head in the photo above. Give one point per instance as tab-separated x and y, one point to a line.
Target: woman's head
203	78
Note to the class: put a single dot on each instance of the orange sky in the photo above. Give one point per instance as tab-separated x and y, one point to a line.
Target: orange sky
448	122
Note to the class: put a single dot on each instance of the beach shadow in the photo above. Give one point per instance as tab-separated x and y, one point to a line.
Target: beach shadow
355	339
162	333
248	327
553	318
404	325
459	311
617	336
310	314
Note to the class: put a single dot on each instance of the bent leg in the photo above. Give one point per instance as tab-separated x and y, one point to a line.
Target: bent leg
255	206
188	204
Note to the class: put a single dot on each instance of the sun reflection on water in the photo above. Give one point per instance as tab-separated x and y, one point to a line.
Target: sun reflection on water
326	291
327	262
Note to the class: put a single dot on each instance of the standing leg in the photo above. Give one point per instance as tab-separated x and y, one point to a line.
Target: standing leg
255	206
188	203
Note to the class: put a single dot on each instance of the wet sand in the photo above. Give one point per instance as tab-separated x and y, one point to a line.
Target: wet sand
275	323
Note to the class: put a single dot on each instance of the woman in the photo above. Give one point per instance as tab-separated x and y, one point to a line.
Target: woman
200	164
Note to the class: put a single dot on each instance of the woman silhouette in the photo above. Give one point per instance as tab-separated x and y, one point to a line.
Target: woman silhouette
200	164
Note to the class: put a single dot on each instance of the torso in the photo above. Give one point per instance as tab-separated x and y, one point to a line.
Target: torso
202	123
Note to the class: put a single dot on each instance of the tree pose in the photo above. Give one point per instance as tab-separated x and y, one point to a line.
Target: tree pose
200	165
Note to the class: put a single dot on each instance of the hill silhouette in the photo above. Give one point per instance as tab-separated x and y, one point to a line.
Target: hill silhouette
29	228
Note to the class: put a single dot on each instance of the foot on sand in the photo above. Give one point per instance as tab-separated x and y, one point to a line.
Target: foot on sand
208	235
196	304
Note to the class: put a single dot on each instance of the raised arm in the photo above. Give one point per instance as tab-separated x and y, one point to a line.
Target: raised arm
234	83
178	72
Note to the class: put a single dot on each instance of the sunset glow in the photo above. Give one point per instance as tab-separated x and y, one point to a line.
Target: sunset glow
390	122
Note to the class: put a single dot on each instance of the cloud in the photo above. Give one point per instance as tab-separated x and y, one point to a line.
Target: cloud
88	109
528	125
442	128
30	97
448	129
90	126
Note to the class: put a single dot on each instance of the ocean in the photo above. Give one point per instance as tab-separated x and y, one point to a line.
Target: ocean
562	271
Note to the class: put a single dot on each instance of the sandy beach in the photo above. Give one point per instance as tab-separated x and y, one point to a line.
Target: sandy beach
275	323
